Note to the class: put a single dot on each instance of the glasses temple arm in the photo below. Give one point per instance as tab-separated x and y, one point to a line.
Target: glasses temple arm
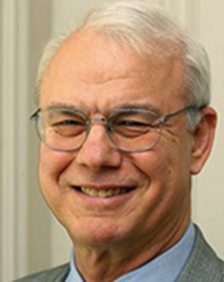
35	114
190	107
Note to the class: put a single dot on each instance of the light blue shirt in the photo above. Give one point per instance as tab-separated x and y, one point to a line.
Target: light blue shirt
164	268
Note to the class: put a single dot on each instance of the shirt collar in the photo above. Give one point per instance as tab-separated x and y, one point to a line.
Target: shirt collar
165	267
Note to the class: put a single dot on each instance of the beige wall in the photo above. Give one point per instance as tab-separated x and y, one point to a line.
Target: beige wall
30	238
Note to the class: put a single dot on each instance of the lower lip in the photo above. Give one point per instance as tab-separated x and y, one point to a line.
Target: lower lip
100	201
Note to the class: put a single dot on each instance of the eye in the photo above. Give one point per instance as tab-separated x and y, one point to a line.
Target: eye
65	124
133	125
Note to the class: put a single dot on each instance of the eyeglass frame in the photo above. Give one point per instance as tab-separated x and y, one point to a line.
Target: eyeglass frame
161	121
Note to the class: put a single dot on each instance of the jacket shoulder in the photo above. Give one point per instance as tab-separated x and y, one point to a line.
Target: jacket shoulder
203	264
57	274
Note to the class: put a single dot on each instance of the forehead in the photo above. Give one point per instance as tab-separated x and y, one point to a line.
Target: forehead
88	64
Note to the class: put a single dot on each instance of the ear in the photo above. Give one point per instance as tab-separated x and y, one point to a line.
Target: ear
203	137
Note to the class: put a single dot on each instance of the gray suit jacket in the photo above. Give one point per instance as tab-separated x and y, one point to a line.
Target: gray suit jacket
202	266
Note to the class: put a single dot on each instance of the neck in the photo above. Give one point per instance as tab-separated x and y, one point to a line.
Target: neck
109	262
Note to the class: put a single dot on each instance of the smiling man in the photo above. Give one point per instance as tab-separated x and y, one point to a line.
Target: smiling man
124	123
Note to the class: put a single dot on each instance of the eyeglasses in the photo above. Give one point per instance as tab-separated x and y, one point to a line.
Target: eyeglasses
130	130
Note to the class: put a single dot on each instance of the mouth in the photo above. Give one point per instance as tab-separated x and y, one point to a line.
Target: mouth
103	193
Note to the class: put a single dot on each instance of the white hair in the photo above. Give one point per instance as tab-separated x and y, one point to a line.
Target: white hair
141	26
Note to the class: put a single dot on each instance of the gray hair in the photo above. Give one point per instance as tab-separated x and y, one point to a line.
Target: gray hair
140	26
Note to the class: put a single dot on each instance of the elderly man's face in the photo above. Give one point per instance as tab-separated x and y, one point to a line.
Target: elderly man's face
90	72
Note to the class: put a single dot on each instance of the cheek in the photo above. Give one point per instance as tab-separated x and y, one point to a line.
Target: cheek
51	166
167	183
52	162
153	164
165	172
170	159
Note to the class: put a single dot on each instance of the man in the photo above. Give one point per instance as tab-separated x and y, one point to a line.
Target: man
124	123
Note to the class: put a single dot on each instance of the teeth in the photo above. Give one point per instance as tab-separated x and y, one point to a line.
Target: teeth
103	193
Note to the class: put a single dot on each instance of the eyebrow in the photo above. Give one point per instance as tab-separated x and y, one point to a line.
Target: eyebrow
142	106
134	106
54	105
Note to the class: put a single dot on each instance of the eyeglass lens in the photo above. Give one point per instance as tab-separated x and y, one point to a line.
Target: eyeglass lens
63	129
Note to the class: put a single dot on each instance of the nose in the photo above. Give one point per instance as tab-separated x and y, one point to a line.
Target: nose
98	152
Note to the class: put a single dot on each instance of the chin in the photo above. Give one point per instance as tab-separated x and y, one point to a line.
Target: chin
96	232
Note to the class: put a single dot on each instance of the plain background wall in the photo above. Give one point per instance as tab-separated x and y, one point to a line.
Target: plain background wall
30	237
